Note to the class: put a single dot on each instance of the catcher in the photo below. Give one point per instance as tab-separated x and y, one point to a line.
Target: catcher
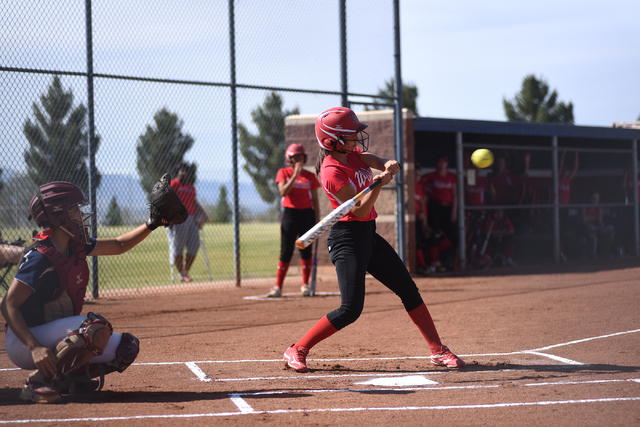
45	330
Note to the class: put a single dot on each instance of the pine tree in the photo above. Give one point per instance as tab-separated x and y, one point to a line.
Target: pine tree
409	95
161	148
264	152
114	215
59	140
534	103
223	212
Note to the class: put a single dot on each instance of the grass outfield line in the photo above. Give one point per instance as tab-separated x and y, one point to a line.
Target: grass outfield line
148	263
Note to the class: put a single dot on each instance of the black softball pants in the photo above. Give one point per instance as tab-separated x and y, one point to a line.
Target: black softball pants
295	222
355	249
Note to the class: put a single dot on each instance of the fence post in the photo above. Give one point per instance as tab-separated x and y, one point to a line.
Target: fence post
234	143
399	140
92	145
342	14
462	253
556	208
636	231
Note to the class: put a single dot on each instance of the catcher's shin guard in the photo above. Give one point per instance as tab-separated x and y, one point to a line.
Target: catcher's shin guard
82	345
126	353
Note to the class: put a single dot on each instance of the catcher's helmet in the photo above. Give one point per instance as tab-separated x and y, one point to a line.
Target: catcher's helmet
336	123
294	149
54	206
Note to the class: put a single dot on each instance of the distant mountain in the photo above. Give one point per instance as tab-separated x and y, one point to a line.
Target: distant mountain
130	196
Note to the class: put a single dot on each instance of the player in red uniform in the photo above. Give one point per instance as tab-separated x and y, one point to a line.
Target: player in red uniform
186	234
355	248
595	228
443	207
565	176
299	190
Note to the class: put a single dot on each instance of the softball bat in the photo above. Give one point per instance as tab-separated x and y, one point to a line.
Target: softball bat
327	222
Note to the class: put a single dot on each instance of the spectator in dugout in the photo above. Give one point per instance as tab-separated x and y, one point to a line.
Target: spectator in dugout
565	176
440	187
599	235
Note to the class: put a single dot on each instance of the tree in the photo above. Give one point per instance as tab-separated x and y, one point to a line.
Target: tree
264	152
59	141
222	211
161	148
409	95
534	103
114	215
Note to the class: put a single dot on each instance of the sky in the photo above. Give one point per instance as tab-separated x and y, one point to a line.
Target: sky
465	56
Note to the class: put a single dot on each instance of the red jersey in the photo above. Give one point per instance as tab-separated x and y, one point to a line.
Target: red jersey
439	187
474	194
187	194
300	195
505	185
336	175
564	190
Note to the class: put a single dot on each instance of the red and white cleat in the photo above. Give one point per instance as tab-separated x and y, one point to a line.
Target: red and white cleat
296	358
446	358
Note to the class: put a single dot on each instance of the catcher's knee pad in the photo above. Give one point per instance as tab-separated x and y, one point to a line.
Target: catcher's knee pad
82	344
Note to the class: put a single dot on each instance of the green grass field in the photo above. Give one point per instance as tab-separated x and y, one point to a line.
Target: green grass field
148	263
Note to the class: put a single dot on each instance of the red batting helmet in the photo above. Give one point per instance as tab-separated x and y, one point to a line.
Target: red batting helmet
294	149
336	123
53	206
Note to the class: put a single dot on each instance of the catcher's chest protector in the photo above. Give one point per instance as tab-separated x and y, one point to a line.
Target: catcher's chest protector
73	274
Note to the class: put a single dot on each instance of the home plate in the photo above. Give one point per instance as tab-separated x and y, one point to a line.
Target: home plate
410	380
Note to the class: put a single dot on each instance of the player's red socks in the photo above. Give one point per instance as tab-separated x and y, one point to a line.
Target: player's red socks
422	318
420	258
283	267
307	265
322	330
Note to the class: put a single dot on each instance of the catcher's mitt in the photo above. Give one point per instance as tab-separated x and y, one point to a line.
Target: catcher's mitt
165	207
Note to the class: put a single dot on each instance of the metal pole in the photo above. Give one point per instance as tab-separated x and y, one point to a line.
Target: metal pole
92	145
636	231
462	253
399	140
556	208
342	12
234	143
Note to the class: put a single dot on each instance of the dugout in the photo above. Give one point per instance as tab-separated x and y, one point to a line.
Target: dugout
604	158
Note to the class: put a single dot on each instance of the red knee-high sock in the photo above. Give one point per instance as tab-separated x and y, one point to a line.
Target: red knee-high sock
283	267
422	318
307	265
322	330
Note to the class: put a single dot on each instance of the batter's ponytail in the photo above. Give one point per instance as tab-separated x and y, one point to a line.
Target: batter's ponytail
321	155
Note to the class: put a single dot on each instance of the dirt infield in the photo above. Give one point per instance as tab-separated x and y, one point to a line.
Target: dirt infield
547	345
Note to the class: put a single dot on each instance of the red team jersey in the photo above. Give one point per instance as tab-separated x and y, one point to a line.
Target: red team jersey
300	195
440	188
336	175
474	194
186	193
564	190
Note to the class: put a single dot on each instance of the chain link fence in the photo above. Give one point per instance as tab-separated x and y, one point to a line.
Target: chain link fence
110	94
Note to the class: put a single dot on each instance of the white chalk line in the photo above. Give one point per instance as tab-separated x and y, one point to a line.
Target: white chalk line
320	410
536	351
198	372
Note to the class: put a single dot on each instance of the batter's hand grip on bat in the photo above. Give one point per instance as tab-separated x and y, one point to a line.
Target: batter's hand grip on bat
327	222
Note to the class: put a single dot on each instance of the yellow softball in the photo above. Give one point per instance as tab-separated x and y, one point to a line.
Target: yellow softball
482	158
